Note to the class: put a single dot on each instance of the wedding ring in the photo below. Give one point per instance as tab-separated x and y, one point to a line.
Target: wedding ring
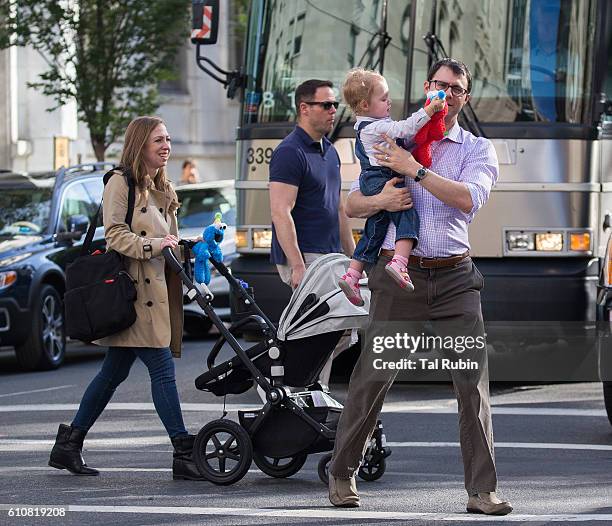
386	157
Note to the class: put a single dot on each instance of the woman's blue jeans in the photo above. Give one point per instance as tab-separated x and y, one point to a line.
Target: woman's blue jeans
115	370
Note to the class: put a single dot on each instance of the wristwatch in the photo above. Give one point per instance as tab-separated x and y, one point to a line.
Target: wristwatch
422	172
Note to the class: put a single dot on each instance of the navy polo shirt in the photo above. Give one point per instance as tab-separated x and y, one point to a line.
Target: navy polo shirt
299	161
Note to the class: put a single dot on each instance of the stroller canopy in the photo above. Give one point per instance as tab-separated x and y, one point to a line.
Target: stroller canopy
318	305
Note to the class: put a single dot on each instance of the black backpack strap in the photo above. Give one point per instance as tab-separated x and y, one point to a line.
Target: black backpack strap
130	210
127	173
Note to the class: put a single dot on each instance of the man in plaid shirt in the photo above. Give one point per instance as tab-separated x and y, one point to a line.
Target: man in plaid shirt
447	287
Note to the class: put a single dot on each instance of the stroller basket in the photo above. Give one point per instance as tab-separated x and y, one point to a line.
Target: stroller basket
284	434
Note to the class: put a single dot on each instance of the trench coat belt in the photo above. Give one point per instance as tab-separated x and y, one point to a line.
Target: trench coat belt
429	262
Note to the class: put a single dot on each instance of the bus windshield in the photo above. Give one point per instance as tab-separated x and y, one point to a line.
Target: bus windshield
291	41
530	60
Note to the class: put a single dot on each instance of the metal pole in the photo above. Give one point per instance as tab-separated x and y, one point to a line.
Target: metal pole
410	59
383	30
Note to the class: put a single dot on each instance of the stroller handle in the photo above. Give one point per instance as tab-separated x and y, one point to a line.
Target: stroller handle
171	259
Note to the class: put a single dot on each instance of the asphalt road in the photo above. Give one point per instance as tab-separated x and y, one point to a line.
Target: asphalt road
553	450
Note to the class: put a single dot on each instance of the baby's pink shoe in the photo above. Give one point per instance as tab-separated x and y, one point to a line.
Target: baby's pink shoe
399	272
349	284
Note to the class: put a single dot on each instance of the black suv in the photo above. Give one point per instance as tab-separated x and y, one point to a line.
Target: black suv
43	218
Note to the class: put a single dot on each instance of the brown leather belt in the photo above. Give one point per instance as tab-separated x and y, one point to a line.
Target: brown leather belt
429	262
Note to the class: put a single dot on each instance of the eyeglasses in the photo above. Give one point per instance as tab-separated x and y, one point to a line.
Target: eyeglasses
457	91
326	105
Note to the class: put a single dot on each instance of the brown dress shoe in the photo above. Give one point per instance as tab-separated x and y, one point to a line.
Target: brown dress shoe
343	492
489	504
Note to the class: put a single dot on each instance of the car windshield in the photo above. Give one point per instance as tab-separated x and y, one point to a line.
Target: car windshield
24	211
199	206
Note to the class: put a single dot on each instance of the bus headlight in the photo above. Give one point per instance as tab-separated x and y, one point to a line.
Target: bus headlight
553	241
7	279
262	238
549	241
242	240
580	241
520	241
607	268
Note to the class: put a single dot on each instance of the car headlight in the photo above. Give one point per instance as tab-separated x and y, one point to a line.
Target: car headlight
7	279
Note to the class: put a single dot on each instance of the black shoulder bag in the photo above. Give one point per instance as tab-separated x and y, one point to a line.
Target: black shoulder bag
100	294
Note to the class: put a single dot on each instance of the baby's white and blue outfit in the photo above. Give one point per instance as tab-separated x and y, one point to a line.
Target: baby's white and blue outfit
373	178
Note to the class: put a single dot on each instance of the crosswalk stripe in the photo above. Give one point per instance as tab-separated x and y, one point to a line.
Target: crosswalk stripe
391	407
320	513
128	469
122	442
517	445
4	395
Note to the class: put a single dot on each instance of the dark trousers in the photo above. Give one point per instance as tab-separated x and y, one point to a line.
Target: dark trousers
450	294
371	182
115	369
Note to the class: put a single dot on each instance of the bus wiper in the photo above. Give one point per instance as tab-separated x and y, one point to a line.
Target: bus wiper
376	48
468	117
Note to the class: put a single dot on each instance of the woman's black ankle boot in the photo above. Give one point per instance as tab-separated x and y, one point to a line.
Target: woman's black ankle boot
66	453
183	466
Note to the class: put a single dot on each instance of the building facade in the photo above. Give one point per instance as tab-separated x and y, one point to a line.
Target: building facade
200	118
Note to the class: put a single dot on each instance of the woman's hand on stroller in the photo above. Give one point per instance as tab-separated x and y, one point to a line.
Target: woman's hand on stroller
191	242
169	241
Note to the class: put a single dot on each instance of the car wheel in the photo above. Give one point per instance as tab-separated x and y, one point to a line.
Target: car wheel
45	348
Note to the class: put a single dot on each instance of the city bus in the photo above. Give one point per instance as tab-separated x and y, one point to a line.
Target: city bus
542	84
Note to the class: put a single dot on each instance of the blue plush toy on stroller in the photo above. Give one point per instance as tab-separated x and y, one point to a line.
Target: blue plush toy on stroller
292	424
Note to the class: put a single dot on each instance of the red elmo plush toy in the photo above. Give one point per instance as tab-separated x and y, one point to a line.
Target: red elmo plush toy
432	131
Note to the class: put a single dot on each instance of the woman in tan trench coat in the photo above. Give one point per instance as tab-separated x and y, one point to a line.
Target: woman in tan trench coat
156	335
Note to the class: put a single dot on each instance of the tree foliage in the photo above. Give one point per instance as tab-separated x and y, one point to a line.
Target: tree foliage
107	55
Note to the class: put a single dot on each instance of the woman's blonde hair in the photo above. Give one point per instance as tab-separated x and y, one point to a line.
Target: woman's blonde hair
358	86
132	157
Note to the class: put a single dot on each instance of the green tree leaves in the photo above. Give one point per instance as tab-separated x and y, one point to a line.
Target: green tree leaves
107	55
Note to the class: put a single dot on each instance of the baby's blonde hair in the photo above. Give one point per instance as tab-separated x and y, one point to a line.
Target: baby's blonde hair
358	86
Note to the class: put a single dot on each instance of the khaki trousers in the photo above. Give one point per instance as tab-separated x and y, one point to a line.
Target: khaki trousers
284	271
451	293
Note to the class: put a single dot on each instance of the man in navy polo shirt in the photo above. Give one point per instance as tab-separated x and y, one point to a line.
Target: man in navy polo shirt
308	217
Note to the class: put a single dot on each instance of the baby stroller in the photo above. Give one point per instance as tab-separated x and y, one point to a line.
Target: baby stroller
291	425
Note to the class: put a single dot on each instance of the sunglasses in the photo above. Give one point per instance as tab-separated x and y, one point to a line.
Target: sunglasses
326	105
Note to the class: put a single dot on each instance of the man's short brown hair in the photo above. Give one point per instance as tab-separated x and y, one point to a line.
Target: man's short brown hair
358	86
456	66
306	91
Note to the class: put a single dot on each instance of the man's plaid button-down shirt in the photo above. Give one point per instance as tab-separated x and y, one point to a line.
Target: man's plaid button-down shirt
461	157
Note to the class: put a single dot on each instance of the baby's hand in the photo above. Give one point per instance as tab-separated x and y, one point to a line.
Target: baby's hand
434	106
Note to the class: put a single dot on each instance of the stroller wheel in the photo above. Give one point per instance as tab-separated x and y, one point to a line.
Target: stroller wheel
372	471
279	467
323	468
223	451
